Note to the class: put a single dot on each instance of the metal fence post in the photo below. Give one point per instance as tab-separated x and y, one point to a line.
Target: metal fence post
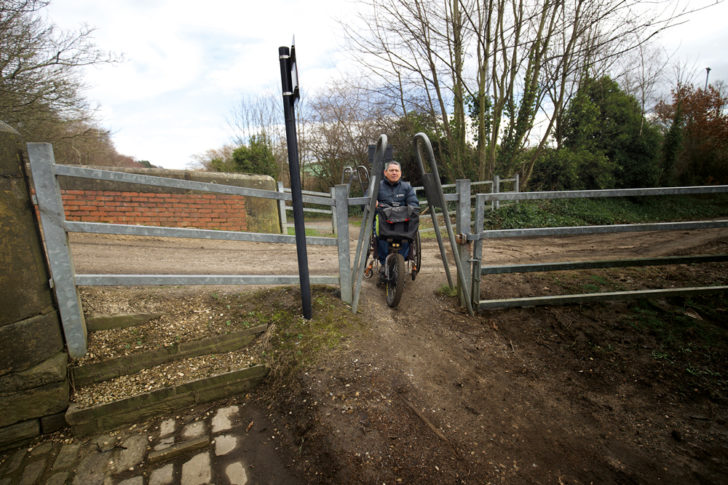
496	190
462	226
287	59
282	210
52	216
333	211
477	249
341	212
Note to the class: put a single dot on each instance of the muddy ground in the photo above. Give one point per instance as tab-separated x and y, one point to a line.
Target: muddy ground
617	392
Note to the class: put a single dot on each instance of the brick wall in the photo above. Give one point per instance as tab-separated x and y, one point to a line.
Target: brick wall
198	210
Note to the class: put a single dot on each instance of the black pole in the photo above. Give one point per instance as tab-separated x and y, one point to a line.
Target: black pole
284	55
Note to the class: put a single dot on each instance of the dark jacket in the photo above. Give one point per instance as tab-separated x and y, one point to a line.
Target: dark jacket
397	194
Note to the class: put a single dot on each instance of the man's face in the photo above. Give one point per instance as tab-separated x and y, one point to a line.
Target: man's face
392	173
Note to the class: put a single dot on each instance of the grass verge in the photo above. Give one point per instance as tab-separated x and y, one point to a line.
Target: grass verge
292	342
630	210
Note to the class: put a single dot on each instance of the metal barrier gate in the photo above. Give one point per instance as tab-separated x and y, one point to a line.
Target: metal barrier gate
56	228
479	236
435	199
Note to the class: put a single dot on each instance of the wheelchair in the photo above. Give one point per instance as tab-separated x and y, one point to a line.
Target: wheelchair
395	225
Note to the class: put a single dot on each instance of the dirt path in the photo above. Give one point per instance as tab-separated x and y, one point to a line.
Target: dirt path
428	394
98	254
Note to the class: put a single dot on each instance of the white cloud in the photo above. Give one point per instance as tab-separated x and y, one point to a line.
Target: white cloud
699	42
187	63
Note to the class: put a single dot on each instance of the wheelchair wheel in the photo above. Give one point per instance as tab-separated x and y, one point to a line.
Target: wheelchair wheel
370	257
416	255
395	283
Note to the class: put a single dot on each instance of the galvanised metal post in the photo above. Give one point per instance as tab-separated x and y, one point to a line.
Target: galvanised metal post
287	59
462	226
477	249
341	210
52	216
282	210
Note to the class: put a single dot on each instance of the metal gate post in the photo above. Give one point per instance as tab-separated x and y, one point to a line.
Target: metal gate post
282	210
496	190
334	225
287	59
462	226
360	259
433	190
477	249
52	216
341	211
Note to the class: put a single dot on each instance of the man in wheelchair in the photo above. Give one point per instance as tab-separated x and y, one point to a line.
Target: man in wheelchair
398	199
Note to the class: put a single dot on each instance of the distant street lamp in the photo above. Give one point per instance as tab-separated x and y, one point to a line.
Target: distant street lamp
707	73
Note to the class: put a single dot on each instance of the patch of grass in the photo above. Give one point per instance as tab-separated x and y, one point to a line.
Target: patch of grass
590	288
309	232
445	290
689	336
599	280
622	210
596	284
294	342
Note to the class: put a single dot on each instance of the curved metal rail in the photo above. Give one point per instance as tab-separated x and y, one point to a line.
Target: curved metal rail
435	198
365	233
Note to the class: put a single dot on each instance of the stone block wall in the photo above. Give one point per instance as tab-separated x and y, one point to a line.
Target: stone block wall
34	387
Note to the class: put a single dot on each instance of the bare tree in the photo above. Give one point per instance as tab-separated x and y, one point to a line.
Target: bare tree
213	158
510	59
262	116
40	85
40	67
343	121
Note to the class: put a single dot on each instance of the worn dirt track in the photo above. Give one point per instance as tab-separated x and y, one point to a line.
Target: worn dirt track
428	394
98	254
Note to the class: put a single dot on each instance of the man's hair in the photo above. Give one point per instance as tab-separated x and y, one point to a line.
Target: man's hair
392	162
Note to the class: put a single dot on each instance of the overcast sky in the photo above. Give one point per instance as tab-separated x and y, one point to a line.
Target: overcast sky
187	63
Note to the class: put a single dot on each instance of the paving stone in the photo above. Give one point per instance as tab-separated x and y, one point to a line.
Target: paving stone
194	430
178	449
32	472
197	471
92	469
41	449
106	442
13	463
162	476
131	453
221	421
167	427
66	457
236	474
164	443
133	481
225	444
59	478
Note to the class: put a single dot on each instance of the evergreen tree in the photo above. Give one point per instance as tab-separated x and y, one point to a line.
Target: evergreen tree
257	157
604	120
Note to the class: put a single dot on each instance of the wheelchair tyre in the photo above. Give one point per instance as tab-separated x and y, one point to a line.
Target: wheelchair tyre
395	283
416	255
369	259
